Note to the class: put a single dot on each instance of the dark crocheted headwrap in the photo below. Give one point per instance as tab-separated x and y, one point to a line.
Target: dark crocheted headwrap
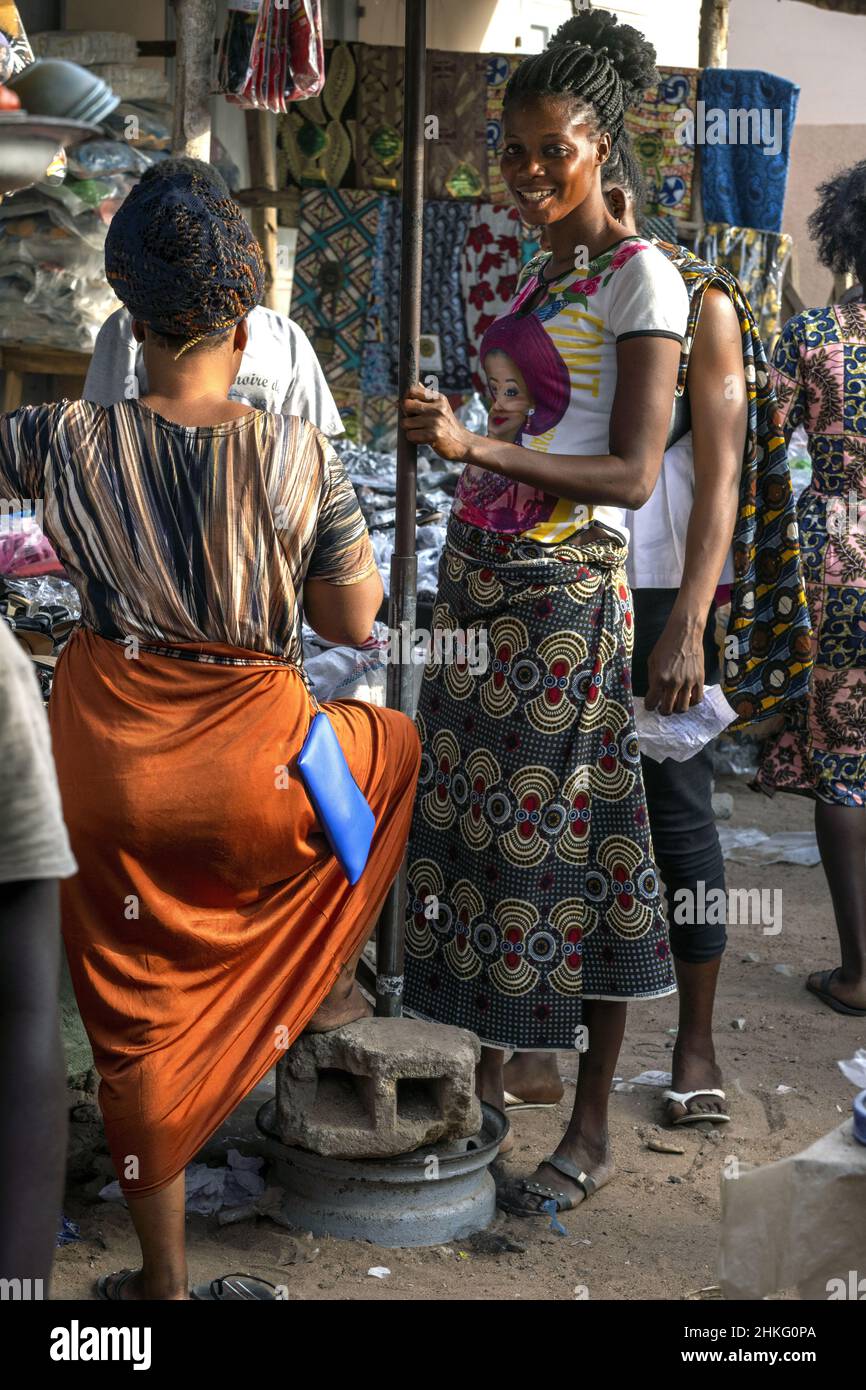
181	257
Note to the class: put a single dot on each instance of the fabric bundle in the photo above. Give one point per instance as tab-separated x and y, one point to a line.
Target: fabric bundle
758	260
316	139
333	265
457	155
743	180
661	128
446	226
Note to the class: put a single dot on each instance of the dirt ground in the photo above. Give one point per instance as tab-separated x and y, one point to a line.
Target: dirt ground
650	1234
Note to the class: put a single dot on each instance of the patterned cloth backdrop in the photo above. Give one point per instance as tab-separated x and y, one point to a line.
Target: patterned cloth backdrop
336	238
446	226
667	164
457	158
489	268
758	260
316	140
499	68
380	116
741	183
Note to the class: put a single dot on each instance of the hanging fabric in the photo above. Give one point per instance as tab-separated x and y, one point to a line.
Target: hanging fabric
661	128
499	67
444	342
743	178
457	149
316	139
489	266
333	265
758	261
380	116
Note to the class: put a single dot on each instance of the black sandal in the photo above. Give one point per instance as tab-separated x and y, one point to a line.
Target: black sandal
120	1277
821	990
232	1287
509	1198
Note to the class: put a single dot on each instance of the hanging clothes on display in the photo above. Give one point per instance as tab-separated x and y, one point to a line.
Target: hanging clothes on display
275	60
316	139
443	320
661	134
333	265
380	116
758	260
489	266
743	179
499	67
457	99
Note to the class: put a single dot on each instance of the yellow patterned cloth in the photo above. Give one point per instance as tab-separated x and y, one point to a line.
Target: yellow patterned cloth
654	126
758	261
500	66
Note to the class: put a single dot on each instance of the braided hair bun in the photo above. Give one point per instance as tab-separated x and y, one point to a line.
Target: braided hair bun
632	56
596	60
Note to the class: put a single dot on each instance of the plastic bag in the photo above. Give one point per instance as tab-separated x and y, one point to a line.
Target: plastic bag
97	157
748	845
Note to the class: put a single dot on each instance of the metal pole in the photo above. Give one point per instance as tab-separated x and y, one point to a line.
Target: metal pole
404	566
195	23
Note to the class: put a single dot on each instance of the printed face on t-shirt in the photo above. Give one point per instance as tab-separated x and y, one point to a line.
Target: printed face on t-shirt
509	397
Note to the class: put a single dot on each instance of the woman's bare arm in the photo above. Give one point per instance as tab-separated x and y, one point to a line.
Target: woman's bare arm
717	394
639	423
343	613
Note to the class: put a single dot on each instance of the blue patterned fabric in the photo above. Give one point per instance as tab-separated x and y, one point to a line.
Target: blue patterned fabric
740	183
446	224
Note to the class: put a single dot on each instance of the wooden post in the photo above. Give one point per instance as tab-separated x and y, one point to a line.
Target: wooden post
262	150
713	34
195	23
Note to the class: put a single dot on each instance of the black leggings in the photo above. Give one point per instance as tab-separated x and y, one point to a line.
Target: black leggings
679	797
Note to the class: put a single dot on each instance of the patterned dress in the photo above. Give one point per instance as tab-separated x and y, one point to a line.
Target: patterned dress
820	378
531	880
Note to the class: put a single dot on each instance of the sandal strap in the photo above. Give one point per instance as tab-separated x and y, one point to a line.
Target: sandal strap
569	1169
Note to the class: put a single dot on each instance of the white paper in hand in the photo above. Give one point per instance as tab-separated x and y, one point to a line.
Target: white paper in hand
681	736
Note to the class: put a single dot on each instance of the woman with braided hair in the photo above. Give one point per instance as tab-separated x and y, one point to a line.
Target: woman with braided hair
209	923
530	829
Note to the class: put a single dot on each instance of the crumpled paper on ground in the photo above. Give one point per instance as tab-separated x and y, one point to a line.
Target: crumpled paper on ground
209	1190
798	1223
681	736
748	845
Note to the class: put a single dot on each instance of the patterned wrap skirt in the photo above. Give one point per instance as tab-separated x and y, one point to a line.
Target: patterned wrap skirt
531	881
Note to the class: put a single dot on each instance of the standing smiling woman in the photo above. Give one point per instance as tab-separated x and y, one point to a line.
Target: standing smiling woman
530	827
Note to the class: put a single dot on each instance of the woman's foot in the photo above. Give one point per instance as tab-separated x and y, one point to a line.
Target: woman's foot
344	1004
591	1156
128	1285
694	1068
851	993
534	1078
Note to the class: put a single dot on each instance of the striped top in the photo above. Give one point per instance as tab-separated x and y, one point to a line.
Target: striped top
174	533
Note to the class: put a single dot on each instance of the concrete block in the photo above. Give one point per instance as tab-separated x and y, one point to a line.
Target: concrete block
378	1087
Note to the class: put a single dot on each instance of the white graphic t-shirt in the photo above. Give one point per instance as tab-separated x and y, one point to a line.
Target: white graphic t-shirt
551	373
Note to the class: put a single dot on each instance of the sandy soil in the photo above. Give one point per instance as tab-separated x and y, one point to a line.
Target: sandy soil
652	1233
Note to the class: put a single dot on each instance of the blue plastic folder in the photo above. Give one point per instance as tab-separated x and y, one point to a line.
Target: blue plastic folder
343	811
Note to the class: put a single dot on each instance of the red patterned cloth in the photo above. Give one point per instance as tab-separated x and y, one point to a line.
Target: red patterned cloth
489	269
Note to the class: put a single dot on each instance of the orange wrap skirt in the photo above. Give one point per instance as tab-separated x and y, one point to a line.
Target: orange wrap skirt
209	918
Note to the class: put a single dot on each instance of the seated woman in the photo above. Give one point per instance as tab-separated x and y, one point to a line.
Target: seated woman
209	919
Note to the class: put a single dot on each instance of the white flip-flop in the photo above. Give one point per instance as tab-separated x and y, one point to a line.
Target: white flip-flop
693	1117
515	1103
